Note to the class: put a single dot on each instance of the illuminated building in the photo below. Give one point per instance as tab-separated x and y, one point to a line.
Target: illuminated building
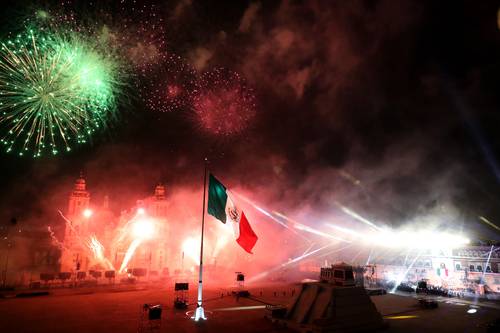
75	255
85	222
25	253
468	267
153	254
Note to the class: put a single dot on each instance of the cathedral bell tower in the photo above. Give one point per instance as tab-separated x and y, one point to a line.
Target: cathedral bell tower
159	203
74	257
79	198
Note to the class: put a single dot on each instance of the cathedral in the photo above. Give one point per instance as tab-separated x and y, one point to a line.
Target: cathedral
96	239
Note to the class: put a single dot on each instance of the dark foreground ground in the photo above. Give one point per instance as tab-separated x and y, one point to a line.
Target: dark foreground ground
118	310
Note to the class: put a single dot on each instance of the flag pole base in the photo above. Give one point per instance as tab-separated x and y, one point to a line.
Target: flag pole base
199	314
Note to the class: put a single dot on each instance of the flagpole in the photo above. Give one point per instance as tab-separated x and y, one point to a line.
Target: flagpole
200	313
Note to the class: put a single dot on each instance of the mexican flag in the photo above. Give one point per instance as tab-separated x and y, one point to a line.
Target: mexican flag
222	207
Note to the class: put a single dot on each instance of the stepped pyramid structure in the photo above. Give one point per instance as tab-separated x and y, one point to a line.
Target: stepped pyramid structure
324	307
335	304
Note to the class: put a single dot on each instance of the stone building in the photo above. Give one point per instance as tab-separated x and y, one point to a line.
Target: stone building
25	252
86	221
75	255
154	253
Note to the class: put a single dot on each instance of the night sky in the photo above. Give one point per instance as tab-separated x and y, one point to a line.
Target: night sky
390	107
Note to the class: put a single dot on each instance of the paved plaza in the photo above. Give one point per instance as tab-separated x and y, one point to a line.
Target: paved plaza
118	309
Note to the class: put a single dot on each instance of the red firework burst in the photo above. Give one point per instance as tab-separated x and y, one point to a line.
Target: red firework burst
169	86
225	105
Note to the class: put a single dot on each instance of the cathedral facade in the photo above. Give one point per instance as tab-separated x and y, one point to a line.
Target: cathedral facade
74	255
97	239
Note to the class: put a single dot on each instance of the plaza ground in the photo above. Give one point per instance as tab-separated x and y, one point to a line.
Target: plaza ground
117	309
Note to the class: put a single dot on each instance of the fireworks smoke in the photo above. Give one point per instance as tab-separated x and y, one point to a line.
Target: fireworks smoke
136	30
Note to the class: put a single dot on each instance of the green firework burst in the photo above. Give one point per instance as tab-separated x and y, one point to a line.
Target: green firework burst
56	90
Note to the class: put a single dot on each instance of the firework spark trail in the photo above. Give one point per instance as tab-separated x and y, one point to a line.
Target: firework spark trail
356	216
292	261
130	253
320	233
54	239
488	222
369	256
308	249
407	239
346	230
95	247
294	223
406	257
141	228
476	296
98	251
266	213
261	210
335	251
123	232
350	177
74	231
401	277
299	258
